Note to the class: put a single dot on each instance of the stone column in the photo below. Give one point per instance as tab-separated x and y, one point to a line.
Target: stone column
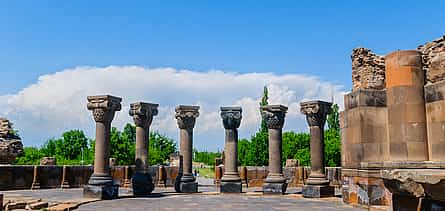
274	116
317	185
231	181
142	114
101	184
186	117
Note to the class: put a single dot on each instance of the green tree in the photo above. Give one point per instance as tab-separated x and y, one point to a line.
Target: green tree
122	146
264	102
243	152
160	148
332	139
296	146
30	156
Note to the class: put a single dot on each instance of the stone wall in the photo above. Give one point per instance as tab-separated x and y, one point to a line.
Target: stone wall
433	59
368	70
253	176
21	177
393	124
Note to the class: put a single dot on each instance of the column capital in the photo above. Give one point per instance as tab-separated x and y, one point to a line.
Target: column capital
143	113
104	107
186	116
231	117
316	112
274	115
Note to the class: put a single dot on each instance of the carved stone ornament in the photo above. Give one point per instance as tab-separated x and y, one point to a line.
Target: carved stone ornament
104	107
316	112
186	116
143	113
274	115
231	117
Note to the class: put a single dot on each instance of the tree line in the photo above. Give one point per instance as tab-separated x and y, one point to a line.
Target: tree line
74	148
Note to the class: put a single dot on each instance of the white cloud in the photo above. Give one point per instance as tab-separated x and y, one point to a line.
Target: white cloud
57	102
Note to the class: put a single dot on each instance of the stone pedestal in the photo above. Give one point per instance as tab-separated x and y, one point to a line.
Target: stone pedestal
317	184
186	117
142	113
275	181
318	191
100	184
231	181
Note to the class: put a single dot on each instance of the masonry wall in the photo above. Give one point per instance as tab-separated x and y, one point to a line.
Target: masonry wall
21	177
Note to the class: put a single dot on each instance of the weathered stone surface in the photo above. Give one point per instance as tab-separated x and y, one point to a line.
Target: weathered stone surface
103	191
274	116
48	161
274	188
433	59
100	184
231	187
317	191
363	97
292	163
188	187
38	205
368	70
142	184
10	144
186	117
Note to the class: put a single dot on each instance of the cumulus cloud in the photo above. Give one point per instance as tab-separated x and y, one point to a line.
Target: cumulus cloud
57	102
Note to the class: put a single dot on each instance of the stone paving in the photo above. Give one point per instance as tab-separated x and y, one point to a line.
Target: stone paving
165	199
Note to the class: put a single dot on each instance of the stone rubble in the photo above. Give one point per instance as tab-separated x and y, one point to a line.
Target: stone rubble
368	70
10	144
433	59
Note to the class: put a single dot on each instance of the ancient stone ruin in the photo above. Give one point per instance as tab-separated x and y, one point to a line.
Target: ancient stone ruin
10	144
393	146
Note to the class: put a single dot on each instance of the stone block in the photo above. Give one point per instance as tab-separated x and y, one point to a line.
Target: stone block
363	97
231	187
316	191
142	184
274	188
417	151
106	191
398	151
188	187
38	205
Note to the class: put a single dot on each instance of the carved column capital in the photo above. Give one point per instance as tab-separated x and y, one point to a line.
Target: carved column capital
186	116
231	117
104	107
316	112
143	113
274	115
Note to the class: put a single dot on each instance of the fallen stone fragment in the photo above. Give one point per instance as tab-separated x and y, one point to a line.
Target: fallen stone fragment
37	205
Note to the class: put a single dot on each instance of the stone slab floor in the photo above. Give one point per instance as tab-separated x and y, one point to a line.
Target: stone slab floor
216	203
165	199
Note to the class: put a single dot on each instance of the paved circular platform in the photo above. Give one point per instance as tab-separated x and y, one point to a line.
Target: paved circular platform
194	202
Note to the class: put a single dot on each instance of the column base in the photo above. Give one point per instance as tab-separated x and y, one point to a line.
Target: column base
101	187
109	191
142	184
318	191
188	187
230	187
274	188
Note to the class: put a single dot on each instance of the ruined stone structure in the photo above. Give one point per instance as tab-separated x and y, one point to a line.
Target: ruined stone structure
317	185
142	114
231	181
186	118
274	116
368	70
10	144
393	146
100	184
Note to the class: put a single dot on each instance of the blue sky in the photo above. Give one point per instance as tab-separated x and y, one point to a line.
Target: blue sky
309	37
302	48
